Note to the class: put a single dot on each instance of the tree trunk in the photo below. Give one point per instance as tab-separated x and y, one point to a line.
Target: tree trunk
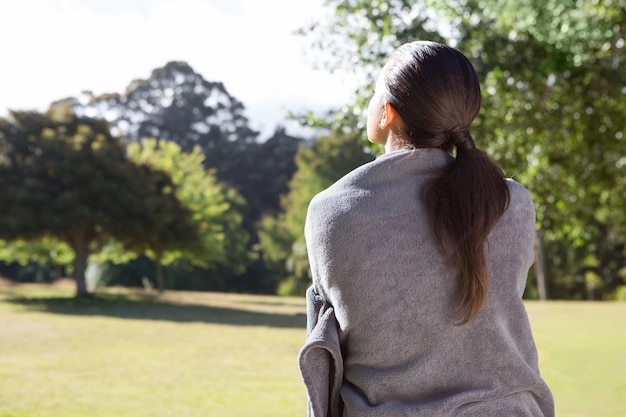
159	275
81	254
539	267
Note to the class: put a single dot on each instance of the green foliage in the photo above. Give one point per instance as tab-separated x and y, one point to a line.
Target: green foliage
178	105
281	237
553	74
41	251
553	109
67	179
216	209
260	171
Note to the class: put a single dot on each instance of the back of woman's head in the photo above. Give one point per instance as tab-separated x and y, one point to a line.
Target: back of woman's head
436	92
434	89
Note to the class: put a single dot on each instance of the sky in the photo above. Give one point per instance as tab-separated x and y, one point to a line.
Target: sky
53	49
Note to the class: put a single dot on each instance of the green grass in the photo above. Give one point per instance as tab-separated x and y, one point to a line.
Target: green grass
124	353
582	355
115	355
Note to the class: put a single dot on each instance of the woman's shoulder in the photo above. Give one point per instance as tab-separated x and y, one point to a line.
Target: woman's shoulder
389	168
350	196
521	204
518	192
342	194
350	184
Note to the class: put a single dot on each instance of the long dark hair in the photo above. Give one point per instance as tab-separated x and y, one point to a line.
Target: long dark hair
436	92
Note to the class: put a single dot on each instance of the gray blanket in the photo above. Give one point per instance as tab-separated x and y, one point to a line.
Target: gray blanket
375	261
320	361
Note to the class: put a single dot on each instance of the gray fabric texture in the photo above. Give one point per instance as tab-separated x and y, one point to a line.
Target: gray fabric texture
320	361
375	261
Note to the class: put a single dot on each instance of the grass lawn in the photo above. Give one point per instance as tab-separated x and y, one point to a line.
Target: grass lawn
208	354
582	355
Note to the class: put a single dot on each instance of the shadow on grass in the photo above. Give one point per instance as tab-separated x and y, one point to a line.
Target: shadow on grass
123	306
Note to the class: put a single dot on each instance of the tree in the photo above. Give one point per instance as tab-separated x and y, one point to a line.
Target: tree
564	124
216	210
281	237
67	178
176	104
261	172
553	106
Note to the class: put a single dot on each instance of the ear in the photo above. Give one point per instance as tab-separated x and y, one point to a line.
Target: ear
389	116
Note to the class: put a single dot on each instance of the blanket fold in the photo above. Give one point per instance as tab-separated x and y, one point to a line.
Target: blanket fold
320	360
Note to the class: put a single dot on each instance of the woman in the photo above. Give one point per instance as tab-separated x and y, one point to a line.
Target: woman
419	261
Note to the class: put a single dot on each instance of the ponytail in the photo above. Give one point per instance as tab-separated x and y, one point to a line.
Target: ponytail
465	202
436	92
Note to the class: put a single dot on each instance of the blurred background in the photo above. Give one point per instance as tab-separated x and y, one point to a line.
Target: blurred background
176	144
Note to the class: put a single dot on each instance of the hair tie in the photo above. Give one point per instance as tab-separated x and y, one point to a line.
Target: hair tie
462	139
